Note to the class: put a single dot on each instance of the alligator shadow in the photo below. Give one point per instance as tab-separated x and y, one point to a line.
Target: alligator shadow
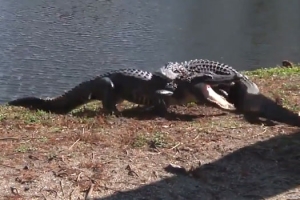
270	111
258	171
140	113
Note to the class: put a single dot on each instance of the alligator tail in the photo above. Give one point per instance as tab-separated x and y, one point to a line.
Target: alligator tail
79	95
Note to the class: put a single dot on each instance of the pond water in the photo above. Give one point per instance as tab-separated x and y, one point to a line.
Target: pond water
47	47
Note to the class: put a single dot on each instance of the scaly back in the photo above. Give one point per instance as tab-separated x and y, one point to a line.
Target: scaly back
203	65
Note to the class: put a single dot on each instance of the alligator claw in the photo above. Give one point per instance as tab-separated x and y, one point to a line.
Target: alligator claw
164	92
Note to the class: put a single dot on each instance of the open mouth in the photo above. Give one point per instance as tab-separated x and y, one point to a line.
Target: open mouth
212	96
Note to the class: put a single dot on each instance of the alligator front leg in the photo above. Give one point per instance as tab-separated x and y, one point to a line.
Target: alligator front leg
110	97
160	106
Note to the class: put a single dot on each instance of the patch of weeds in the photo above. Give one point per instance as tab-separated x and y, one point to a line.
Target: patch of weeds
55	129
139	141
91	106
51	156
23	148
2	117
43	139
30	117
191	104
290	87
42	113
1	159
158	140
128	105
292	107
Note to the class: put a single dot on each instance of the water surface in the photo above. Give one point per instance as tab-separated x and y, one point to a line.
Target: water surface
49	47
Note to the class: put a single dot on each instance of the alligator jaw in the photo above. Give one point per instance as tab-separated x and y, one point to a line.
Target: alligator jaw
213	97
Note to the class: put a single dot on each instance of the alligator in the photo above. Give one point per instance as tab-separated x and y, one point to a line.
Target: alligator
197	66
243	94
134	85
213	93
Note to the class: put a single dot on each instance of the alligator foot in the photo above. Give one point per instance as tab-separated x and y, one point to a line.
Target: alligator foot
161	107
110	98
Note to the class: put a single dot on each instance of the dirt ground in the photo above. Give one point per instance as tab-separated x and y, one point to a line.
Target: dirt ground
197	153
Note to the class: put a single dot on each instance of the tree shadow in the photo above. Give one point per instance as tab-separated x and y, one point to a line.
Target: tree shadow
258	171
140	113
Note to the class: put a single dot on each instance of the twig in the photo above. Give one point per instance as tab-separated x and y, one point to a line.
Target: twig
70	196
74	143
7	166
61	187
90	190
50	191
176	146
93	156
196	136
10	138
78	177
44	196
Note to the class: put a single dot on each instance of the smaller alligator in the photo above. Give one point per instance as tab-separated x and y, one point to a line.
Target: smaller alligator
134	85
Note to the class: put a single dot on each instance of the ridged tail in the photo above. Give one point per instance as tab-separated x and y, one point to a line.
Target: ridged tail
75	97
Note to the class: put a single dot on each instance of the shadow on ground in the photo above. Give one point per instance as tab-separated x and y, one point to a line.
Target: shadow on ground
264	169
140	114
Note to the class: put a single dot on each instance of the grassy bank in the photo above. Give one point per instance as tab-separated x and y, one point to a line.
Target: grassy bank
48	156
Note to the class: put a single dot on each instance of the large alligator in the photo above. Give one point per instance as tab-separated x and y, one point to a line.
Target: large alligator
243	94
212	91
134	85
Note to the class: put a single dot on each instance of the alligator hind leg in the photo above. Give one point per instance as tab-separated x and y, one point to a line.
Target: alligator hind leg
210	95
109	99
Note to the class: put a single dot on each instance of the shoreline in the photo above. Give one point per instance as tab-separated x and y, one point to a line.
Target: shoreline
69	154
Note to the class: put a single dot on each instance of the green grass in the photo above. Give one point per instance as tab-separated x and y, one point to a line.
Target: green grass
276	71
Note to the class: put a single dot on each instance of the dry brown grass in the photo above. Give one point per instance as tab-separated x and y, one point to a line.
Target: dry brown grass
47	156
